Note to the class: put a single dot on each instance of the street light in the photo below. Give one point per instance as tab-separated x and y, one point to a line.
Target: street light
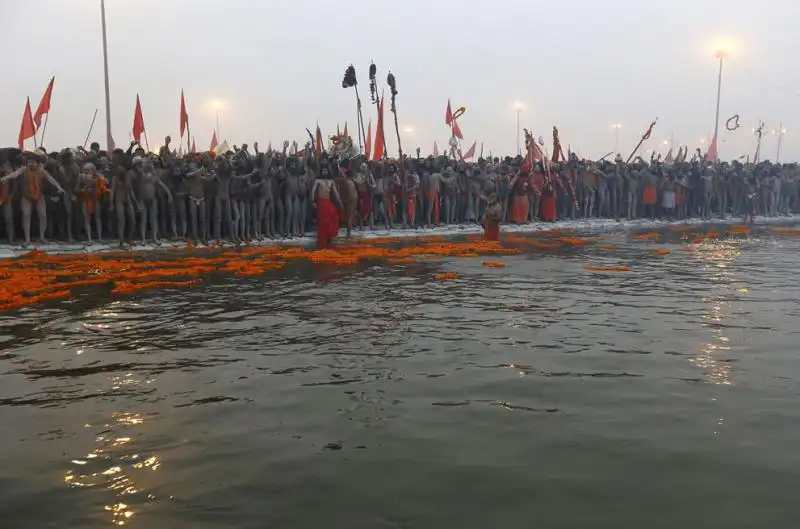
408	129
616	127
518	106
109	138
721	52
217	105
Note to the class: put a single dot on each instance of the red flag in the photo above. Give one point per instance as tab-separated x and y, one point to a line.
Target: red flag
194	149
213	142
368	145
471	151
379	146
448	114
44	104
712	151
318	141
27	129
668	158
184	116
457	131
435	149
346	135
138	121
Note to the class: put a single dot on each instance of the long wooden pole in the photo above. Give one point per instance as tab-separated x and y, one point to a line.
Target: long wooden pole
644	137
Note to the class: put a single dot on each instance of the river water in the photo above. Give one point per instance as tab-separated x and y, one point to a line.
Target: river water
536	395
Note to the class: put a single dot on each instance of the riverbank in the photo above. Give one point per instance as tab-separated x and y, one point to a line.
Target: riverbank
581	225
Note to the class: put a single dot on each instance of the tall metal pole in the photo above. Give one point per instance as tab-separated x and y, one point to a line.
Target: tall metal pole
721	55
616	139
519	149
219	136
109	139
780	138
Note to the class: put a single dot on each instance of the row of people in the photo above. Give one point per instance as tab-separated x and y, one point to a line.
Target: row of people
241	196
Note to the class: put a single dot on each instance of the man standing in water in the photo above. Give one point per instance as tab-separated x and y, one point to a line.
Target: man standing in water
327	202
492	217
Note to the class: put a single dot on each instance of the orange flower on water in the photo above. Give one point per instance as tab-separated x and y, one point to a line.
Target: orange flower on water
573	241
445	277
607	268
646	236
740	229
401	260
494	264
661	252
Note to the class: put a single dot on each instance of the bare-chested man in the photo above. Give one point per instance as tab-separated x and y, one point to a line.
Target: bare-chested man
90	188
30	187
148	181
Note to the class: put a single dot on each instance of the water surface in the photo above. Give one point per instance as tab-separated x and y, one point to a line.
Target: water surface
535	395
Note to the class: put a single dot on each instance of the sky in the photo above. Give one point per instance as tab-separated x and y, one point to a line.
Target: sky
277	67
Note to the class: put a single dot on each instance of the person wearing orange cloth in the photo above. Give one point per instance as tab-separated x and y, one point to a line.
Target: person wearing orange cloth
547	202
650	194
33	175
492	217
327	203
519	193
411	190
91	187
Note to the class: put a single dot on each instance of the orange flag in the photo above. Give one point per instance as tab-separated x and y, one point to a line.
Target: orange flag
27	129
184	115
448	114
44	104
138	121
471	152
318	141
457	131
379	146
213	142
368	145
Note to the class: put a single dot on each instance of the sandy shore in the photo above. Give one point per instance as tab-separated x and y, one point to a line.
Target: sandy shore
584	225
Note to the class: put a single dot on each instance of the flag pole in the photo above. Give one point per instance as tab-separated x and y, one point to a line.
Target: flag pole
90	129
44	128
109	139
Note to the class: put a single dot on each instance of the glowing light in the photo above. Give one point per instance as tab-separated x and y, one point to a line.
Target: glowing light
216	104
408	129
616	126
518	105
723	47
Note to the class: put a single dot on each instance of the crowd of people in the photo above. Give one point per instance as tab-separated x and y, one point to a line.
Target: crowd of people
243	195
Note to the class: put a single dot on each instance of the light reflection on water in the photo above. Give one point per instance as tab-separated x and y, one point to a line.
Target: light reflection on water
376	396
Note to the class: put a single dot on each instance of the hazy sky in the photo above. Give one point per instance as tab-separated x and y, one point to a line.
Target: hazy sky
581	65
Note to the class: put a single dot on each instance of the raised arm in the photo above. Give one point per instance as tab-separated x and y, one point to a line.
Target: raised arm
13	175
